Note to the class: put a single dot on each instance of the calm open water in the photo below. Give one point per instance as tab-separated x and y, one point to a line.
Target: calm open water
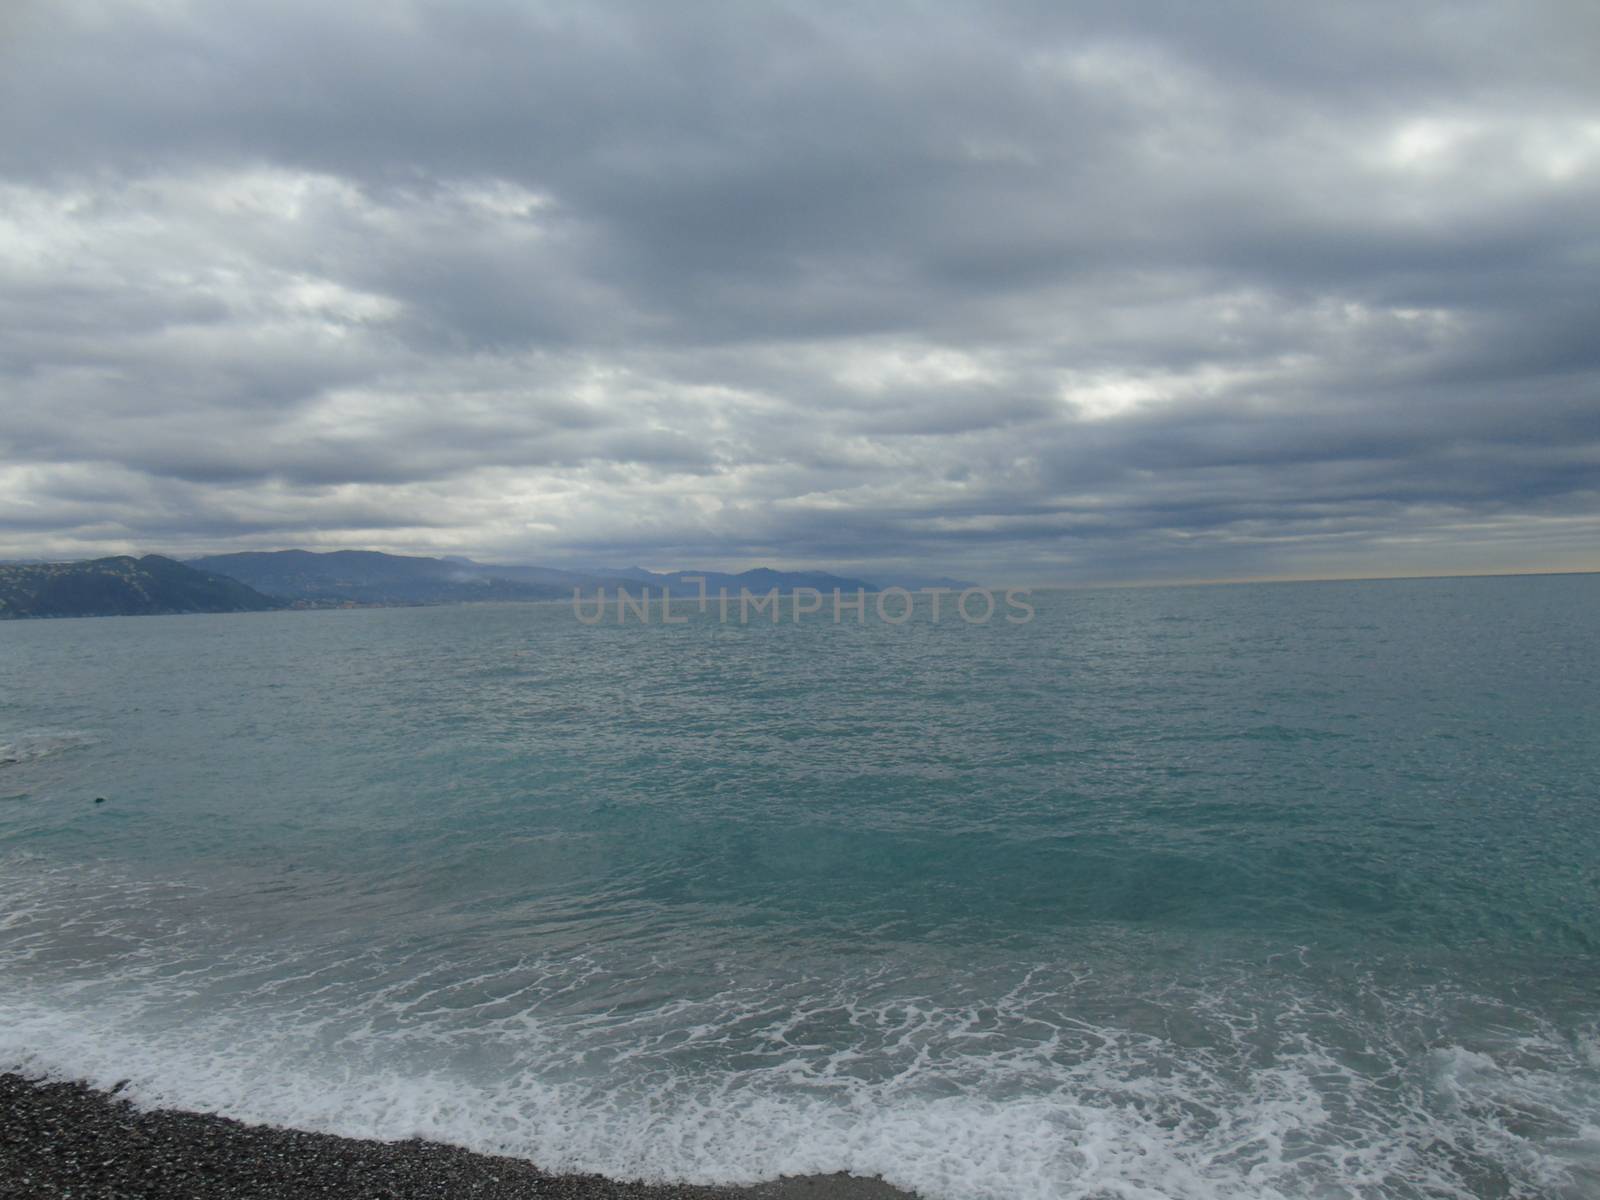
1257	891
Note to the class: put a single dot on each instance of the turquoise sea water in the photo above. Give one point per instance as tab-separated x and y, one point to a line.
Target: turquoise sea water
1256	891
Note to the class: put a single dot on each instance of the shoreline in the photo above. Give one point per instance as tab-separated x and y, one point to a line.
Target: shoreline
60	1139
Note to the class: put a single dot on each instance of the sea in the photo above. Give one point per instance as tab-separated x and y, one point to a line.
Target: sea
1247	891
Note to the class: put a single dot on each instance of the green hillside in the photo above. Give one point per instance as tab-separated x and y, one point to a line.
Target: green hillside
122	586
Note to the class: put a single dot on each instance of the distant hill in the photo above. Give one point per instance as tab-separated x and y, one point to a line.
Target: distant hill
122	586
369	577
256	580
915	583
758	580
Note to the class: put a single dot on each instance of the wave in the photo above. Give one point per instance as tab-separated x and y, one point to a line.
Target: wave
32	745
1051	1082
1128	1119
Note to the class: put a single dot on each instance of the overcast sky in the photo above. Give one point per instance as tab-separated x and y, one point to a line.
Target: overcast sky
1027	292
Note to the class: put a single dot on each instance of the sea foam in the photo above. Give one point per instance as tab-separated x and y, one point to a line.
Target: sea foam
945	1100
31	745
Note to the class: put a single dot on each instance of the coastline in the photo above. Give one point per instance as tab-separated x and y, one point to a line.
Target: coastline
62	1139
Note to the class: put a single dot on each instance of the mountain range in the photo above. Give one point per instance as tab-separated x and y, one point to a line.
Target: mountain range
256	581
370	577
121	586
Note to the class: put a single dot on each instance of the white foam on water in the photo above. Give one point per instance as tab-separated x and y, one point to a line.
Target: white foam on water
34	744
1117	1124
1009	1096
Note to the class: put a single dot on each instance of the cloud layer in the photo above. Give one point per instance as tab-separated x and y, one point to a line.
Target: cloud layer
1120	292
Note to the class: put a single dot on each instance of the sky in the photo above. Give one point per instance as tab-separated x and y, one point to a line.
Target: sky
1025	292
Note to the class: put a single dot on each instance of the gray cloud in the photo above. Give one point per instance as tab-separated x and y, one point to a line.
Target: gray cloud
1114	292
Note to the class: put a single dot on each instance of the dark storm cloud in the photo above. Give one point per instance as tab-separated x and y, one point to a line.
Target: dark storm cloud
1025	290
